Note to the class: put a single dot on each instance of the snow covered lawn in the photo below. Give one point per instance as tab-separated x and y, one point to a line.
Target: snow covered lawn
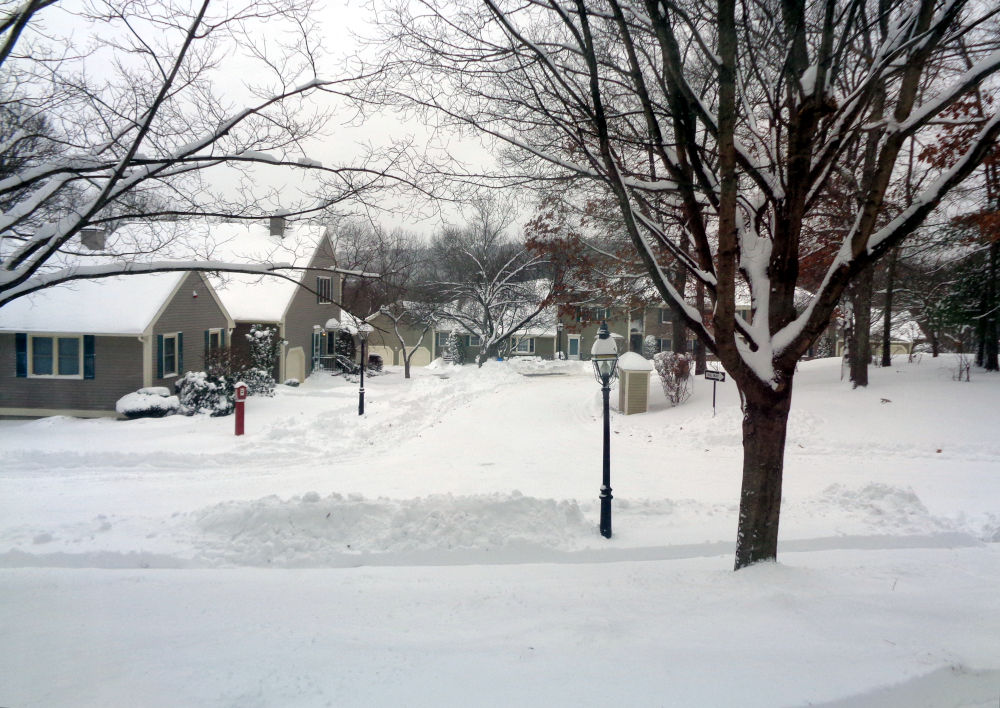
443	549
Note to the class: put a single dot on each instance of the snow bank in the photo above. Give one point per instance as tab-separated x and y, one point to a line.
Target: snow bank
312	531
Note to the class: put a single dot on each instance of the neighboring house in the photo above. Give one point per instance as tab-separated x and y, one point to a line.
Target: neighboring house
384	342
298	306
76	348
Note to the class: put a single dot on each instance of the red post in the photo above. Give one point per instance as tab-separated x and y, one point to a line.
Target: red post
241	397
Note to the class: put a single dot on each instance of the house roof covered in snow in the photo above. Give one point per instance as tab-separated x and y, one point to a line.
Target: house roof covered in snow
126	304
262	298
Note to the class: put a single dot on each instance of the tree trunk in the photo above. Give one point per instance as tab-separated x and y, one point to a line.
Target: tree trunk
699	348
406	364
861	350
890	277
765	421
991	356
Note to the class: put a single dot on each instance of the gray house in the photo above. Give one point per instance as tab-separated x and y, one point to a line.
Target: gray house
297	307
76	348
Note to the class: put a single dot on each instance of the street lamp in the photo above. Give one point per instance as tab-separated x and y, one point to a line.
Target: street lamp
604	354
364	329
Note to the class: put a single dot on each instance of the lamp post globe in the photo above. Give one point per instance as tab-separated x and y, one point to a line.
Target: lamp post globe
604	355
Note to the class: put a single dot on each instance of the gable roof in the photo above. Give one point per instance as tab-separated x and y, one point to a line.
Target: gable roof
125	304
262	298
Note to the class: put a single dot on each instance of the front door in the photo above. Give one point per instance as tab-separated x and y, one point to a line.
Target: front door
573	345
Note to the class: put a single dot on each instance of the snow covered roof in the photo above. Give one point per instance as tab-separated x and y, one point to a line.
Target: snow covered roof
124	304
630	361
261	298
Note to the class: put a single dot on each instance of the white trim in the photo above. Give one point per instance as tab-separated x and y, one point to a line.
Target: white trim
163	360
211	331
55	357
147	359
579	346
319	293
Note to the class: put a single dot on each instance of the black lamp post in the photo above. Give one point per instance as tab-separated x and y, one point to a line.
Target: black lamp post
559	331
364	329
604	354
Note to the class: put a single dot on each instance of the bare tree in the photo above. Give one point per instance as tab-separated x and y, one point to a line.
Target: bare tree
748	110
400	292
488	284
144	123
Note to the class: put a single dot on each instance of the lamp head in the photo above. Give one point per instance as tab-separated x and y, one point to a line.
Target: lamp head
604	354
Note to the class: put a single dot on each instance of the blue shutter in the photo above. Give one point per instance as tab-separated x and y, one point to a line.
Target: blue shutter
222	338
208	342
89	369
21	347
180	353
318	298
159	356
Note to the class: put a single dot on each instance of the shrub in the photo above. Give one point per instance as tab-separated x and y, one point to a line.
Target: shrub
265	346
200	392
152	402
675	375
374	362
649	346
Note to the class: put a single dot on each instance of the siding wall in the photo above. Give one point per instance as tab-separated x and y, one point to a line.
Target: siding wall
192	316
618	323
383	341
305	312
633	391
117	371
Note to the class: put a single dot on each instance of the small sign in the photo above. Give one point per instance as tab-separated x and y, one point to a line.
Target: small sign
715	375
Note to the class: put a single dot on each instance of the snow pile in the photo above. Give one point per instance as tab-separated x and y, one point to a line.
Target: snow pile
151	402
878	508
314	531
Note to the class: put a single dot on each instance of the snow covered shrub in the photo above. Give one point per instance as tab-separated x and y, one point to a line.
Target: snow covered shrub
675	375
344	345
292	382
649	346
151	402
374	362
200	392
454	348
265	346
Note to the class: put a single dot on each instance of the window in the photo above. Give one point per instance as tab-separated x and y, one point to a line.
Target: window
602	313
170	354
55	356
441	340
474	340
665	316
526	346
664	345
213	339
324	291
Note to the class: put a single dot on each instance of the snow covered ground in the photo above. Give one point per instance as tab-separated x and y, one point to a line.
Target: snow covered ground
443	549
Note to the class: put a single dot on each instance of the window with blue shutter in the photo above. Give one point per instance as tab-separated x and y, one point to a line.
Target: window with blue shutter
49	356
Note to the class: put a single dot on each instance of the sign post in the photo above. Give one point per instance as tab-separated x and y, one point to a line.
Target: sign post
241	397
715	377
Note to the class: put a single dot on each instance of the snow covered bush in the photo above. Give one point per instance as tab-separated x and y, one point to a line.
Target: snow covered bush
649	346
152	402
675	375
199	392
265	346
454	348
